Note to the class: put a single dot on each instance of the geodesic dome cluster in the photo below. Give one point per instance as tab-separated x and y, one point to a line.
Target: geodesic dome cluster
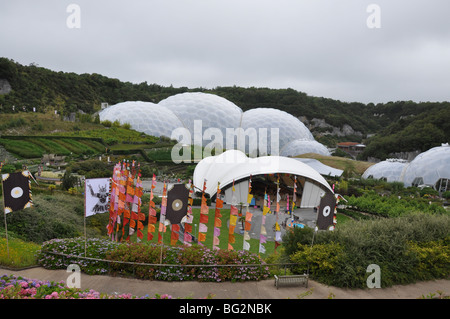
203	115
430	168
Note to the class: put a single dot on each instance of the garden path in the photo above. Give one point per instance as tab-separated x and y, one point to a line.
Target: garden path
264	289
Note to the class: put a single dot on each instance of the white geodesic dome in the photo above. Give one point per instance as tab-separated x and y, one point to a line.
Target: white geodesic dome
146	117
215	114
390	170
298	147
289	127
212	110
428	168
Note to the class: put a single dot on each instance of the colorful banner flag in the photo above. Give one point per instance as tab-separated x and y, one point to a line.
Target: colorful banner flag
248	217
204	211
287	202
189	217
232	223
162	216
16	191
203	228
277	225
113	200
263	232
137	206
151	212
96	196
217	220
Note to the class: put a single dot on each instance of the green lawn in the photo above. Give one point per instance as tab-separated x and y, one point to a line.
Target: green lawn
21	253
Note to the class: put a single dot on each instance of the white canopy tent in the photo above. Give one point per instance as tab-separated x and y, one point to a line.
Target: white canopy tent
234	165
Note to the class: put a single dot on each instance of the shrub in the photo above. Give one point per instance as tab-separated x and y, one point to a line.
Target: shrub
320	260
126	253
407	248
106	123
187	255
392	206
296	236
75	247
433	259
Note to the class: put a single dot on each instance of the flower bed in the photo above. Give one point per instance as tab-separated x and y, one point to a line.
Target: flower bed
14	287
180	257
74	247
192	255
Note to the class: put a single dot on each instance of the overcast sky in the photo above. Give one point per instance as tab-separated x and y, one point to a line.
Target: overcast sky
320	47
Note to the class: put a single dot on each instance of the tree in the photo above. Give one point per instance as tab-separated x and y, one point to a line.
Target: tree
68	180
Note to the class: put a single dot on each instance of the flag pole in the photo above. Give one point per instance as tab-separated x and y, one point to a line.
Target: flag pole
85	238
6	225
84	219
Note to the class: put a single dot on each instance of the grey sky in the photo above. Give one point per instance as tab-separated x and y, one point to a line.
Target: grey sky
320	47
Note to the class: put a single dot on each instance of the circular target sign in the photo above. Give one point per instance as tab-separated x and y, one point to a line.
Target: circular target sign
326	211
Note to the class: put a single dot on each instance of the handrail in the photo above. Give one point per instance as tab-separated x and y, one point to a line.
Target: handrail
166	265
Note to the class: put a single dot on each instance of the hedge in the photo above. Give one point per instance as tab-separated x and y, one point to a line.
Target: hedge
151	253
410	248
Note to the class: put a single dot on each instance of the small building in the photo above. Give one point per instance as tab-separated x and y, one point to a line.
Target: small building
352	148
53	160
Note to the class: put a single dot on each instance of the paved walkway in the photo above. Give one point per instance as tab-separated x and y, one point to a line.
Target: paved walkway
264	289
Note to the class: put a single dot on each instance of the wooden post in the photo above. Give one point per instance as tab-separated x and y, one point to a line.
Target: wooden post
6	226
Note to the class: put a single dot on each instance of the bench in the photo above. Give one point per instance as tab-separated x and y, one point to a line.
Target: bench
291	280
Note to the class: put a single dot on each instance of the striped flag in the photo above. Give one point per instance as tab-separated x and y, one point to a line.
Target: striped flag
114	202
277	226
189	217
204	210
217	220
162	217
151	212
248	217
263	232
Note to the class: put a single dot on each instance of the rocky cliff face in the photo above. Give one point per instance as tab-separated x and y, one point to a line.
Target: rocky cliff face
327	129
5	87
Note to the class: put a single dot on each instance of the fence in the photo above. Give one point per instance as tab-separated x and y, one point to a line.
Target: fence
278	265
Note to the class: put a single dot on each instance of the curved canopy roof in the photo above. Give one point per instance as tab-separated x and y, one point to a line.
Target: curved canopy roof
235	165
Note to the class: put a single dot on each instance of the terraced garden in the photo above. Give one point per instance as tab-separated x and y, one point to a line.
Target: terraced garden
36	146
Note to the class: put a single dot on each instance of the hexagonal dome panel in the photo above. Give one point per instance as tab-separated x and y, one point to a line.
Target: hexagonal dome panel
428	167
147	117
390	170
289	127
213	111
298	147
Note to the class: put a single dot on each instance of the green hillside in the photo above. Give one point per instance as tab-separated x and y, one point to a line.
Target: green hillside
398	126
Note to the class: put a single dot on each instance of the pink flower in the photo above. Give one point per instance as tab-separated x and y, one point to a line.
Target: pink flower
53	295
